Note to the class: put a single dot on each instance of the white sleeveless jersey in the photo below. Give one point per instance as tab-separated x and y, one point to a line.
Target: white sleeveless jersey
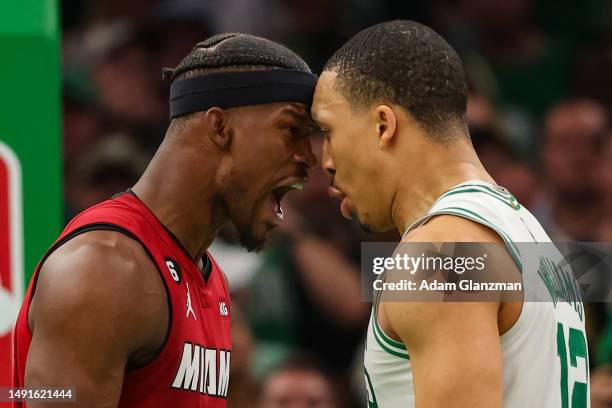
545	359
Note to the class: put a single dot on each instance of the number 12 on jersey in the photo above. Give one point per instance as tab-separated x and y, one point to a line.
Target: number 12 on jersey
577	349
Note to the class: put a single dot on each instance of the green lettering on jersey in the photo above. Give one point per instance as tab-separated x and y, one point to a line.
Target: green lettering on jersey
561	285
577	349
371	395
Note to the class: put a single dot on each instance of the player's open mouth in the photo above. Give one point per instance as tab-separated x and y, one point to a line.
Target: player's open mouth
279	192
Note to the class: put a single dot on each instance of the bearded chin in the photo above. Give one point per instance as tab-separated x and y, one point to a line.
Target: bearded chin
248	240
241	218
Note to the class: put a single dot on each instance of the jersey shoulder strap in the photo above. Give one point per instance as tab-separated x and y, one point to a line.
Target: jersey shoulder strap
484	203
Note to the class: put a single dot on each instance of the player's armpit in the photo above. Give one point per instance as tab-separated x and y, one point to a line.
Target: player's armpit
96	305
454	350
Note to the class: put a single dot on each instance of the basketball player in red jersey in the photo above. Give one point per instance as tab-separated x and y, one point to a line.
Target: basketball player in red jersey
127	307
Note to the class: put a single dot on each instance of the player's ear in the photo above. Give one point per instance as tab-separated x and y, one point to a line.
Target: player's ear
218	129
386	124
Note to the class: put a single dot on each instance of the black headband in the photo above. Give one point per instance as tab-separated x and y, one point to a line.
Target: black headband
232	89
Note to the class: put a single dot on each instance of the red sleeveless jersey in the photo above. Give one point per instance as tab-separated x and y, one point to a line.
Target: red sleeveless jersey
192	368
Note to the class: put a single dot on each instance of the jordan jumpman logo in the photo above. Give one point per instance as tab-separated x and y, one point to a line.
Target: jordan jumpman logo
189	307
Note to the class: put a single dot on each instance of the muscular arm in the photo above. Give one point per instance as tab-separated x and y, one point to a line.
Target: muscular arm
454	351
454	347
99	305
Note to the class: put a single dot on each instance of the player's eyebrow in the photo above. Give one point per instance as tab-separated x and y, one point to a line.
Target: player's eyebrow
302	117
297	114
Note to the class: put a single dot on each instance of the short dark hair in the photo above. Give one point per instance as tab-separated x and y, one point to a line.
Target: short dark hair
235	51
408	64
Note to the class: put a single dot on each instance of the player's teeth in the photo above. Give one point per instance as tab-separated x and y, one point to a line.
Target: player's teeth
279	213
297	186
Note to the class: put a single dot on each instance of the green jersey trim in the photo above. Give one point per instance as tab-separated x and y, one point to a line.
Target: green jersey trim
383	335
507	199
387	339
388	344
373	403
386	347
464	212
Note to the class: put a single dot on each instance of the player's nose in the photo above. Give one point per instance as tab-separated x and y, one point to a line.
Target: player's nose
304	154
326	161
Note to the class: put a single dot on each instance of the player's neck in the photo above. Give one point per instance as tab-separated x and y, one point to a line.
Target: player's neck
184	207
436	174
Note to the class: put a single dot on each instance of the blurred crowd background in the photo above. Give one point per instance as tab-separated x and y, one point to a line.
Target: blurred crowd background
539	112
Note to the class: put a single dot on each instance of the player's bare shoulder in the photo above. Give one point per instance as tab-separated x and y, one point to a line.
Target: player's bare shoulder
451	236
108	277
451	228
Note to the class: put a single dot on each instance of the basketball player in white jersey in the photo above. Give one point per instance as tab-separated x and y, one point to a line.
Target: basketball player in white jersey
391	104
